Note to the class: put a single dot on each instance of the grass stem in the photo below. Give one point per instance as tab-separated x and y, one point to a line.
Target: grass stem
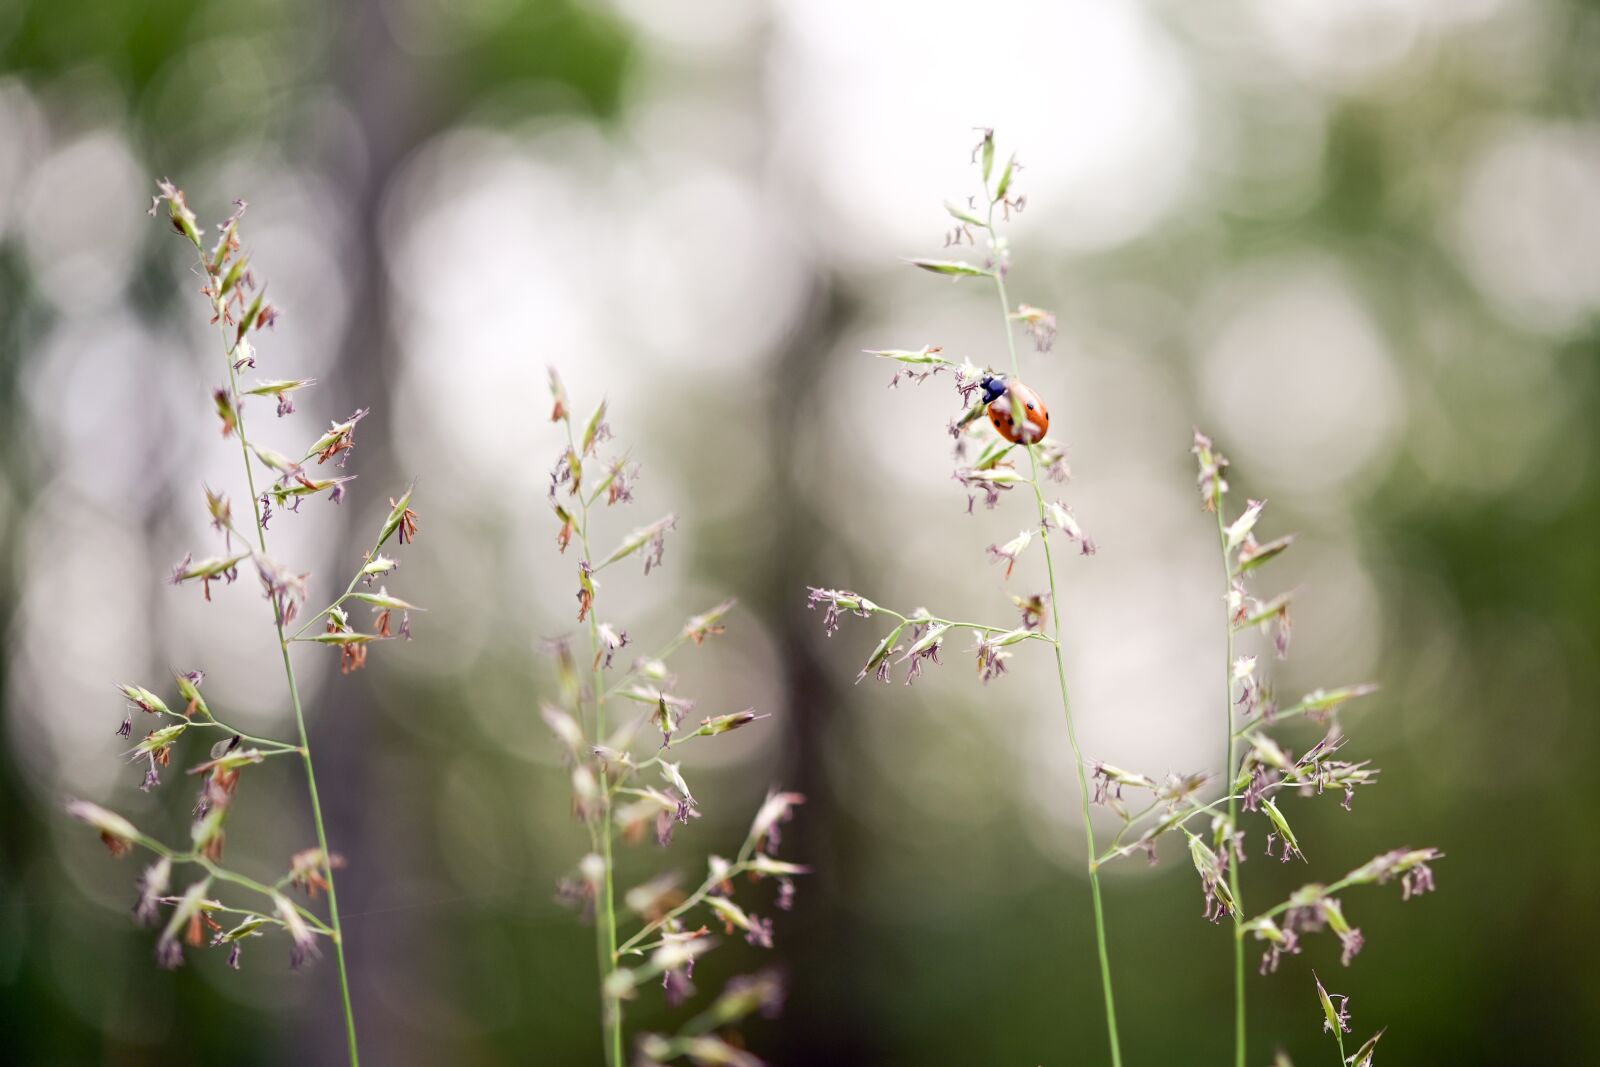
337	935
1230	771
605	927
1061	677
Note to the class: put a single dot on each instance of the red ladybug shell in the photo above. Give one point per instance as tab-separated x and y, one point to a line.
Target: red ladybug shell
1034	425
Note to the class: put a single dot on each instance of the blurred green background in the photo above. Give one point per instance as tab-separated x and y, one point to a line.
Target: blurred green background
1356	241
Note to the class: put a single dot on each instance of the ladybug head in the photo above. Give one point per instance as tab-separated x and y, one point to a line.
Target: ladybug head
994	385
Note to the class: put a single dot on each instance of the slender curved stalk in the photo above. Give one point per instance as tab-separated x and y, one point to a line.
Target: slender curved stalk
349	591
273	747
1230	770
605	927
1319	703
267	891
1066	701
224	874
693	900
1327	891
1118	849
975	627
337	935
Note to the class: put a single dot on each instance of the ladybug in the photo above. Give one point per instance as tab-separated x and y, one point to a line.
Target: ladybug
999	395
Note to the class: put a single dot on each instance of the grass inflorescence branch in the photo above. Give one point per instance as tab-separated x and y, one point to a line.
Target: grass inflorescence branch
1021	421
621	793
1260	773
240	311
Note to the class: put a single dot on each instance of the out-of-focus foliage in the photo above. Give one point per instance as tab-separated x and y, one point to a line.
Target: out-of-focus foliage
1359	242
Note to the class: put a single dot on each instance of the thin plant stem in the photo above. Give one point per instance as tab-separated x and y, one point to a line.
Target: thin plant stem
655	760
337	935
1131	821
1313	705
690	902
1327	891
349	591
605	927
1119	849
740	864
1061	677
975	627
276	748
223	874
1230	769
327	856
265	890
